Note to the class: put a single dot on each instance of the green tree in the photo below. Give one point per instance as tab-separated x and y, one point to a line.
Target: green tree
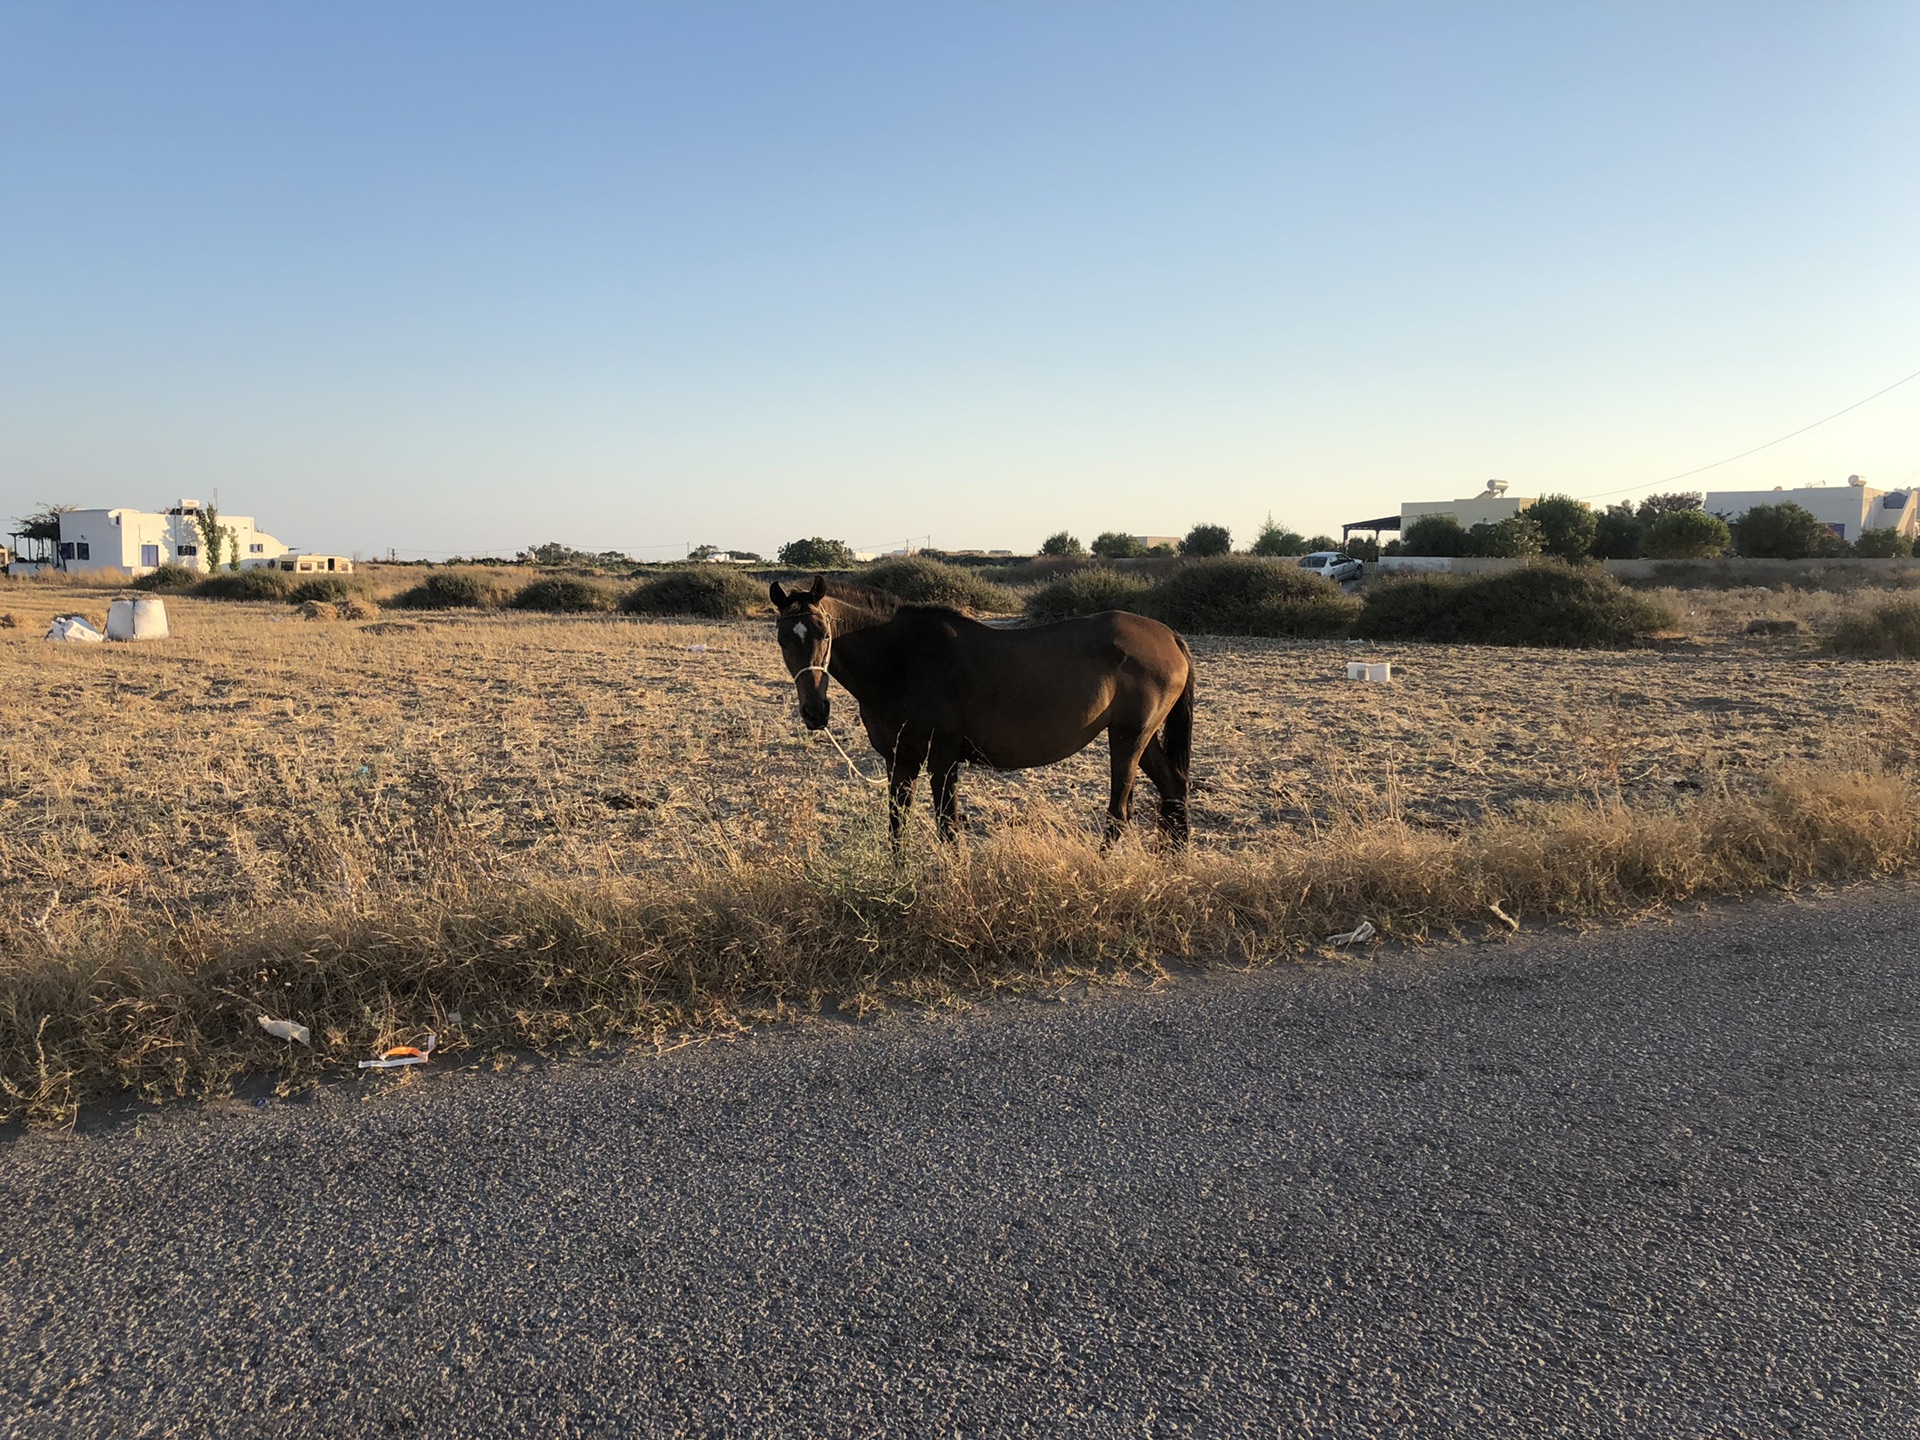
1277	539
1654	506
1061	543
1434	535
816	553
1320	542
1618	533
1203	540
1363	549
1515	538
1687	535
1883	543
1782	532
207	521
1567	526
1112	545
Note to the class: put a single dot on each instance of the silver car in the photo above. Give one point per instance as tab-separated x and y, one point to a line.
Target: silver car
1333	564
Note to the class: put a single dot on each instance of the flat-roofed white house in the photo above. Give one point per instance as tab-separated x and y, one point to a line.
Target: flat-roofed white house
1489	507
1847	509
135	542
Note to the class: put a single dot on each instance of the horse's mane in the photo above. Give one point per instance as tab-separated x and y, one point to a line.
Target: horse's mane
858	606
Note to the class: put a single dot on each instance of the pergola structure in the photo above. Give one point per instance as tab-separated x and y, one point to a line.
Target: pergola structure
1385	522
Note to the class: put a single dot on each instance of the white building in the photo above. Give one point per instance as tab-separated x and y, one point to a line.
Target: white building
133	542
1489	507
1844	509
297	562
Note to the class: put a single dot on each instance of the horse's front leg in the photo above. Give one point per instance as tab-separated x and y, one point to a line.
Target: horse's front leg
903	768
943	765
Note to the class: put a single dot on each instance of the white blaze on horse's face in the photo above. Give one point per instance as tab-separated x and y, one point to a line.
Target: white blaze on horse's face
806	644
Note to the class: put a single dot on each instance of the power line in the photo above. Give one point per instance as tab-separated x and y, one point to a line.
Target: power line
1685	474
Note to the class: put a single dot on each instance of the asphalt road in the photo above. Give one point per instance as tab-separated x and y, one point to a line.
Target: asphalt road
1653	1181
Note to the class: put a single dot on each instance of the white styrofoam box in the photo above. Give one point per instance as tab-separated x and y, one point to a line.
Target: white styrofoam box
1360	670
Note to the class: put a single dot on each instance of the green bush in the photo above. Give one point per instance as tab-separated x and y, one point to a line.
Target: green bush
451	590
1783	532
328	589
1618	533
562	595
1687	535
1567	526
1207	540
816	553
167	577
1088	592
1892	631
1883	543
1276	539
920	581
1061	543
244	585
1112	545
1251	595
1548	604
1434	535
1515	538
710	592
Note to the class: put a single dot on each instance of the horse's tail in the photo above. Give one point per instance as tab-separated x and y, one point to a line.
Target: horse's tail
1177	734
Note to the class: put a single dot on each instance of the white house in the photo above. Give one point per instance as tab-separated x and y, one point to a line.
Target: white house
1489	507
133	542
1844	509
297	562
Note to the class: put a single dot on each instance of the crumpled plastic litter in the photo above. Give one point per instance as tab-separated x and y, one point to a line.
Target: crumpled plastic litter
74	629
1363	931
696	649
287	1030
402	1055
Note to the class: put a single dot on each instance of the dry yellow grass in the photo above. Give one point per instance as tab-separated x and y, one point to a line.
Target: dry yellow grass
575	828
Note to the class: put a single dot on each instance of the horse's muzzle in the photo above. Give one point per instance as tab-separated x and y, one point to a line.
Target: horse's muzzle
815	715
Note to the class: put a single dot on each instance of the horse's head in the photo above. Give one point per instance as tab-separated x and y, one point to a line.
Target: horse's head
806	644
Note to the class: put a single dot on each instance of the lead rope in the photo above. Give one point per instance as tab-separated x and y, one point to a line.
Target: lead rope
852	768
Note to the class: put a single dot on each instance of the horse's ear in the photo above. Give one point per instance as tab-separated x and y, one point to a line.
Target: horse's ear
819	588
778	593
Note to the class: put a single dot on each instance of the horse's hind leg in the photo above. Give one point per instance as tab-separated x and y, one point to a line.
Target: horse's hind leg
1124	750
1172	786
943	766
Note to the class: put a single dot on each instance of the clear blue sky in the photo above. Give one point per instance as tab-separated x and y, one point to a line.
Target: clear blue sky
466	277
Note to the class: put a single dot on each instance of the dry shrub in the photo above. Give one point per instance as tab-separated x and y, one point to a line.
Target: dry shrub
1251	595
452	590
167	577
919	580
331	588
354	609
711	592
563	595
318	610
254	584
123	1004
1549	604
1088	592
9	621
1891	631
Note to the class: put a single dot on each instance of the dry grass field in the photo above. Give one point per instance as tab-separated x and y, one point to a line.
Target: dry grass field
539	820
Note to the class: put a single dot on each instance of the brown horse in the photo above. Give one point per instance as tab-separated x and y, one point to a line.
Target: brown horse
937	687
